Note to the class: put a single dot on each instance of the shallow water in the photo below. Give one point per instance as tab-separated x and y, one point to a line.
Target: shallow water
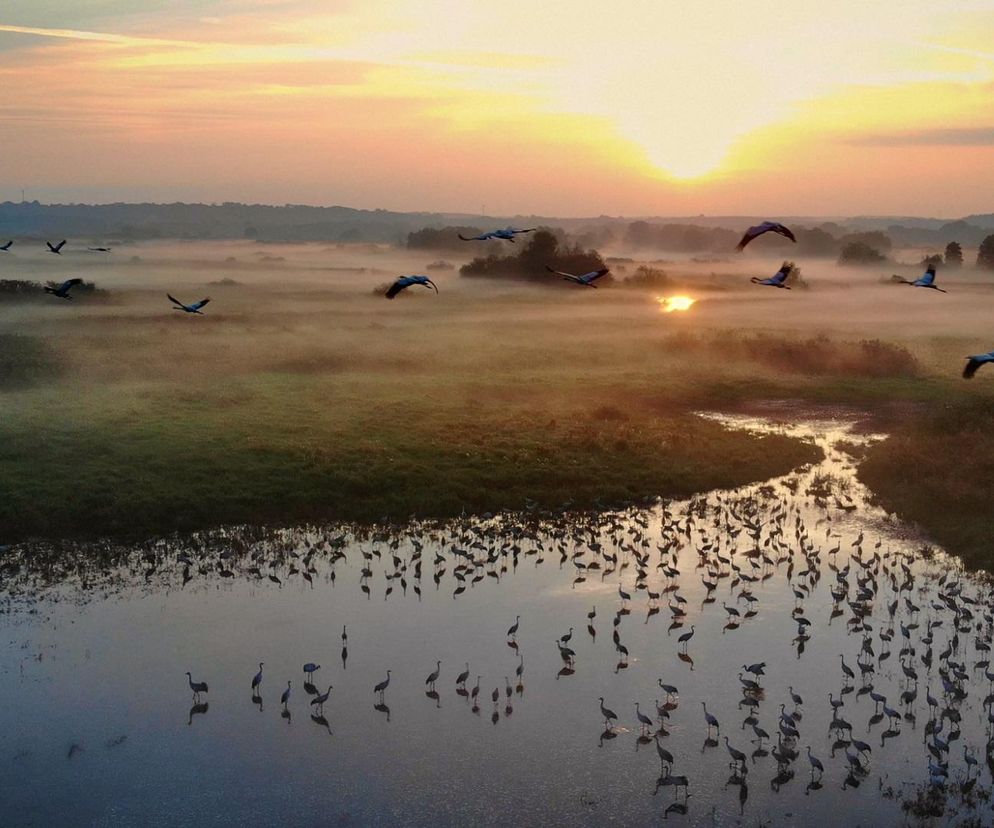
100	726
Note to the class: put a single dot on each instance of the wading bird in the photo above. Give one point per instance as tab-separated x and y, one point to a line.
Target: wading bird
711	720
285	698
383	685
926	281
433	675
974	362
778	279
257	678
766	227
608	714
194	308
318	701
507	234
587	279
310	668
406	281
56	248
62	291
197	687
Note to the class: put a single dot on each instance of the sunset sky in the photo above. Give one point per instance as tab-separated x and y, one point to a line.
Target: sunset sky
557	108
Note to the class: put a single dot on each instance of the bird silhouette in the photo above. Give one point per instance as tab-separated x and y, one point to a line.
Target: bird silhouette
758	230
404	282
62	291
585	279
193	308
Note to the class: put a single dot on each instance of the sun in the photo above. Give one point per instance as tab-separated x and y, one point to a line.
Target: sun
668	304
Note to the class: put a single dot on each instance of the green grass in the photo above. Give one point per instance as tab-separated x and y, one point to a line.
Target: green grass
330	404
937	470
130	461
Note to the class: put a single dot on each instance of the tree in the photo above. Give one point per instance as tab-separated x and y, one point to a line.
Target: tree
985	255
954	255
872	238
934	260
860	253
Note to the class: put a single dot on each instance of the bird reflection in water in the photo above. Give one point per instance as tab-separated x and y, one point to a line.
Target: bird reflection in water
321	721
198	709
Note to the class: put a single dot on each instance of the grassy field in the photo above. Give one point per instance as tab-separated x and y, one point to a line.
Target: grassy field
302	395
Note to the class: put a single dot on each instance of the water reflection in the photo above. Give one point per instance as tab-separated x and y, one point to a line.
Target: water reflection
793	611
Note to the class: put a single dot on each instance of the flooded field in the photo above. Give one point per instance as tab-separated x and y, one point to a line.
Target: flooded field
867	701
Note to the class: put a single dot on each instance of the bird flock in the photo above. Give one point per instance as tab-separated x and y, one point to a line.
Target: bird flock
777	634
910	637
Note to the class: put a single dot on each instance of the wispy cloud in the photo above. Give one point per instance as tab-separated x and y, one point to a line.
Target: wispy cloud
102	37
956	137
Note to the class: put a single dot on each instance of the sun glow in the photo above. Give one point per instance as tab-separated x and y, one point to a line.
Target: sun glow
668	304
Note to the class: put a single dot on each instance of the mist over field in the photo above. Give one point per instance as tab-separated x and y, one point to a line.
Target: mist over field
298	364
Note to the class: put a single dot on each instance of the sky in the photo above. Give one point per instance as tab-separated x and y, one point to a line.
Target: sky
633	107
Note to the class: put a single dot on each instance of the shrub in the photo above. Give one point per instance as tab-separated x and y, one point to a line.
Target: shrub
860	253
647	278
542	250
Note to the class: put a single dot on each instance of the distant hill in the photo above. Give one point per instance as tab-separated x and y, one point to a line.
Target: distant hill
304	223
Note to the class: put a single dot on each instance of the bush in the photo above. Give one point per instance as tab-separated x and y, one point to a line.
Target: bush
543	250
444	238
17	290
860	253
818	356
647	278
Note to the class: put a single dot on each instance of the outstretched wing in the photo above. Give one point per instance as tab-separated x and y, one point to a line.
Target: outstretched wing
593	275
764	227
174	300
751	233
481	237
784	231
397	287
974	362
927	279
7	245
200	304
59	246
562	273
68	283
